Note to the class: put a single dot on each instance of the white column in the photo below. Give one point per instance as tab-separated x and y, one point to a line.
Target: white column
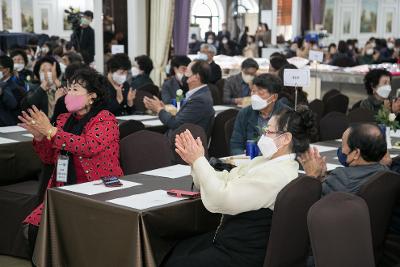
296	17
16	15
137	28
274	25
98	35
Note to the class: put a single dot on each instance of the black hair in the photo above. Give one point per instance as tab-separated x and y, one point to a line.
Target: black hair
91	80
71	69
368	138
47	59
145	63
88	13
249	63
119	61
69	46
58	51
342	47
73	57
178	61
7	62
277	60
271	83
51	46
371	79
301	124
19	52
202	68
331	45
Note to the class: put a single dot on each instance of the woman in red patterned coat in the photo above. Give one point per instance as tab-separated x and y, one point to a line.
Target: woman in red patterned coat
88	136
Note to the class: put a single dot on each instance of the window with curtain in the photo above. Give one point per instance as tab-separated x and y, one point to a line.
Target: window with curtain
369	9
205	13
328	15
6	14
26	16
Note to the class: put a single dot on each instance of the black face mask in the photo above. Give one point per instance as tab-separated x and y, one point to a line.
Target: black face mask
185	86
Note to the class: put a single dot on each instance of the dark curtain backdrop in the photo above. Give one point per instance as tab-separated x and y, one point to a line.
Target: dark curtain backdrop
181	27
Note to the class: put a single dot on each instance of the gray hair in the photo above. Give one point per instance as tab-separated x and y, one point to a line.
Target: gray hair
209	47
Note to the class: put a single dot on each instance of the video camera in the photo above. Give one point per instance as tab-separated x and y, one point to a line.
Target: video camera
74	17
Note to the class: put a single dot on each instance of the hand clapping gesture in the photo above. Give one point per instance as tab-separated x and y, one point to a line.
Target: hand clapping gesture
313	164
188	148
37	123
131	97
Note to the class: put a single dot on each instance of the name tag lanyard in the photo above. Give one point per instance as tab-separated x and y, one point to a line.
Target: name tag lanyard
62	166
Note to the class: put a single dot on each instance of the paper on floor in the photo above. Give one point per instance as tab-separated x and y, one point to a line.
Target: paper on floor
146	200
97	187
11	129
7	141
173	172
136	117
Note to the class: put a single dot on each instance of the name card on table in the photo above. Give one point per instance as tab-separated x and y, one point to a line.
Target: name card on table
296	77
314	55
116	49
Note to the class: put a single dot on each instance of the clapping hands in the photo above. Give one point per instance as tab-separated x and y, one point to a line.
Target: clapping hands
313	163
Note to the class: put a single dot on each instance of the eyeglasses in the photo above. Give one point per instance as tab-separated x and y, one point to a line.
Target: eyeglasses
272	132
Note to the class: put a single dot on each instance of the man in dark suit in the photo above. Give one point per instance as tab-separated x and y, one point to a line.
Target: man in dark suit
86	37
197	107
223	33
215	70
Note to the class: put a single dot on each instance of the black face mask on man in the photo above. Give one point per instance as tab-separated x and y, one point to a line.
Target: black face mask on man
185	86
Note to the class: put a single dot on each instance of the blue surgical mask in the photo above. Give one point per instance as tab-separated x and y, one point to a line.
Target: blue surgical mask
342	157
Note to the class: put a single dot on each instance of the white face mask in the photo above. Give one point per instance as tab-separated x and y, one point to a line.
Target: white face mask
62	67
179	76
369	52
224	41
257	103
19	66
247	78
118	78
49	77
384	91
210	41
45	50
1	75
135	71
267	146
390	45
202	56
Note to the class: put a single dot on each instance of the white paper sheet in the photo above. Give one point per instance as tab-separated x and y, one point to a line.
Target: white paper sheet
324	148
28	135
221	108
395	134
152	123
136	117
330	166
172	172
146	200
7	141
97	187
11	129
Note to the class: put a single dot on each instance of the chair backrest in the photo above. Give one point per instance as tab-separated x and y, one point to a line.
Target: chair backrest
129	127
219	145
333	125
356	105
139	105
317	106
329	94
361	115
196	130
217	97
288	243
340	231
220	85
150	88
339	103
380	193
143	151
228	129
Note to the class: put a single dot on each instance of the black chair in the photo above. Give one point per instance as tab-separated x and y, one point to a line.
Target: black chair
288	243
329	94
380	193
196	130
228	129
220	85
150	88
217	98
356	105
128	127
23	181
338	103
143	151
138	102
333	125
219	146
340	231
317	106
361	115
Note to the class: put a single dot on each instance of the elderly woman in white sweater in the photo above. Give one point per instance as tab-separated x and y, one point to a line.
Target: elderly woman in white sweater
245	196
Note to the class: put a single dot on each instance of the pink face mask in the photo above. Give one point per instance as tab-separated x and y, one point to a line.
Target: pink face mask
75	102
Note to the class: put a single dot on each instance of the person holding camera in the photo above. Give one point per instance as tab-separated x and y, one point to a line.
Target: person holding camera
86	37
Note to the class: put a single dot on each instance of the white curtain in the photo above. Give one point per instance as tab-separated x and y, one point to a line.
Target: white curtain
161	24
